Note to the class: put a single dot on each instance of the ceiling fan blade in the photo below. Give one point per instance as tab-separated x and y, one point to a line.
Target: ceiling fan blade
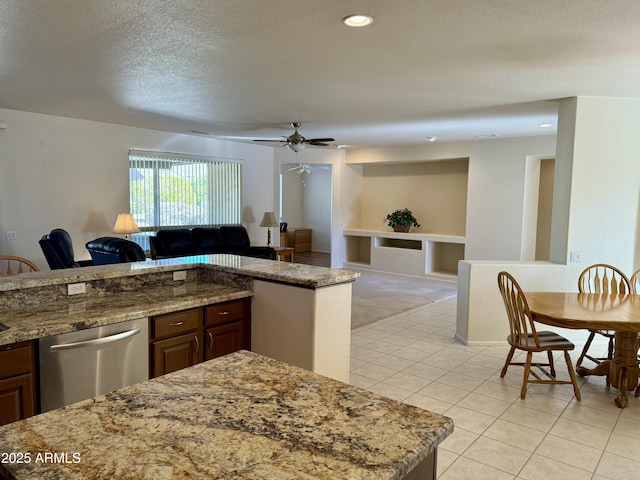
318	144
314	140
279	141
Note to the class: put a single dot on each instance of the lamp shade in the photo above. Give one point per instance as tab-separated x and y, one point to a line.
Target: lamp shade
269	220
125	223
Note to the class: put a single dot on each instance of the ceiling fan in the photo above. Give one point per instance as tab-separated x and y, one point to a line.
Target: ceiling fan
296	142
301	168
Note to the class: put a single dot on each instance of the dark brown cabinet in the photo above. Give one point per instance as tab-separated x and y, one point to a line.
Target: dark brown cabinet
228	328
176	341
17	382
179	340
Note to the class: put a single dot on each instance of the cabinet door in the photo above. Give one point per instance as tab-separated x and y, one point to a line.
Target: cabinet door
224	339
17	382
17	399
175	353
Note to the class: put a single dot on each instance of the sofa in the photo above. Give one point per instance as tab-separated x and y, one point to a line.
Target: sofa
180	242
108	250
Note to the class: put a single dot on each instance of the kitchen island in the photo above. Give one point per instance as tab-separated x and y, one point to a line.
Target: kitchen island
241	416
301	313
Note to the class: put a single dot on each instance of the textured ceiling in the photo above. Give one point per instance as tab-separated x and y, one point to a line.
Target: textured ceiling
243	69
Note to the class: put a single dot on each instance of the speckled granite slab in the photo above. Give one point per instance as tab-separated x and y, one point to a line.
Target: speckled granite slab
36	304
306	276
76	313
243	416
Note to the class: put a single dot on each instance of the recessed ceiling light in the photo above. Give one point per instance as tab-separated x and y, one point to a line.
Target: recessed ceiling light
431	139
491	135
545	125
357	20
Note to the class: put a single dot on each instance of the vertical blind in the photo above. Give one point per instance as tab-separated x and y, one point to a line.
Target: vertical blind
170	190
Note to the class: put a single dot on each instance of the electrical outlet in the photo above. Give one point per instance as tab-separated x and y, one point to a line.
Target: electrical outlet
11	235
76	288
180	275
576	256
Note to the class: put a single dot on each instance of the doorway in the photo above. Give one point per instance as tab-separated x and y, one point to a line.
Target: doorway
305	203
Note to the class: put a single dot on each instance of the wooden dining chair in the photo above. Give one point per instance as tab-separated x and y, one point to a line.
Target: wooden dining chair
524	336
635	282
12	265
635	290
606	279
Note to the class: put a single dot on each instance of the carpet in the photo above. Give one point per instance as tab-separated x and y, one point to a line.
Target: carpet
380	295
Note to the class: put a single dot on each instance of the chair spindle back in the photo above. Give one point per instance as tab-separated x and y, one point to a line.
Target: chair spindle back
605	279
12	265
520	321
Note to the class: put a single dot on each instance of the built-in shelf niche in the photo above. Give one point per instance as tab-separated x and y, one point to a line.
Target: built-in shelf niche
417	254
398	243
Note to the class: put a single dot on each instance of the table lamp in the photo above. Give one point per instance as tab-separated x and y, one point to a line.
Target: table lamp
269	220
125	223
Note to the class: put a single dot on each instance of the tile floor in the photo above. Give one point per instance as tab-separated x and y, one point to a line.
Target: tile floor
414	357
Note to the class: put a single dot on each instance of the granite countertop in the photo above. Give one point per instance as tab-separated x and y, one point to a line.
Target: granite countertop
37	309
242	416
72	313
306	276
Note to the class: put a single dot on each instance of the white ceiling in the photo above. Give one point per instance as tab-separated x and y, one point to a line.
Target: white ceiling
244	69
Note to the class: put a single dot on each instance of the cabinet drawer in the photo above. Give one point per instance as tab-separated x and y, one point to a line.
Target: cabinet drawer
16	359
224	312
175	323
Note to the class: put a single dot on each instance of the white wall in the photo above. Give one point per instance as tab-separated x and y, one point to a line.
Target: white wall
58	172
306	202
317	193
496	181
596	211
339	174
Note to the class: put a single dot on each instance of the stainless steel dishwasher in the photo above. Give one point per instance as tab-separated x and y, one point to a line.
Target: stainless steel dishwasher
83	364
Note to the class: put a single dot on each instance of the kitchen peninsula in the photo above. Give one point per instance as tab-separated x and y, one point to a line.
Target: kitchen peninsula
238	416
300	314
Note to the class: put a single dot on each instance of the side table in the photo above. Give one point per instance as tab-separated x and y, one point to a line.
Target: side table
283	252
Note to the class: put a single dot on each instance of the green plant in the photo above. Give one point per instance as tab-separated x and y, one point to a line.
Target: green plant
401	217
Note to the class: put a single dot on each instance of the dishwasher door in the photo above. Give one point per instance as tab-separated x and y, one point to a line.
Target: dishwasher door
83	364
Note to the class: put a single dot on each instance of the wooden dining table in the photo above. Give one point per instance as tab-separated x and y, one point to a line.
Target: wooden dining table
594	311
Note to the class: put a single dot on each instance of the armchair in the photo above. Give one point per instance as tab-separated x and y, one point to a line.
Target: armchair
108	250
58	250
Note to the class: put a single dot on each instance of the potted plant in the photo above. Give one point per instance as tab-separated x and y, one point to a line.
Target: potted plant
401	220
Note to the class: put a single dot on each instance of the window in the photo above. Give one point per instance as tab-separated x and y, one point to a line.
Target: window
173	190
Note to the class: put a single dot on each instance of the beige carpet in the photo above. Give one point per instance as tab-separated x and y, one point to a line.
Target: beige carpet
381	295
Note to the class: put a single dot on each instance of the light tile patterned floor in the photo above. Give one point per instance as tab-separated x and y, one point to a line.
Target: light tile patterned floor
414	357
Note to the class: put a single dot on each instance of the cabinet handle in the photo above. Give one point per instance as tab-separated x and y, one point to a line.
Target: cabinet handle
176	324
226	312
197	343
210	341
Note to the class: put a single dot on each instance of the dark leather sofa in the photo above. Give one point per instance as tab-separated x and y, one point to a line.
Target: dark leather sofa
182	242
108	250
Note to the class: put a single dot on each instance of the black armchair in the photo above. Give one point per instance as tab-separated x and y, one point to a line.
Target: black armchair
58	250
108	250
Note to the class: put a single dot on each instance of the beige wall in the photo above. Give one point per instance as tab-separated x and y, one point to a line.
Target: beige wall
436	193
545	205
58	172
